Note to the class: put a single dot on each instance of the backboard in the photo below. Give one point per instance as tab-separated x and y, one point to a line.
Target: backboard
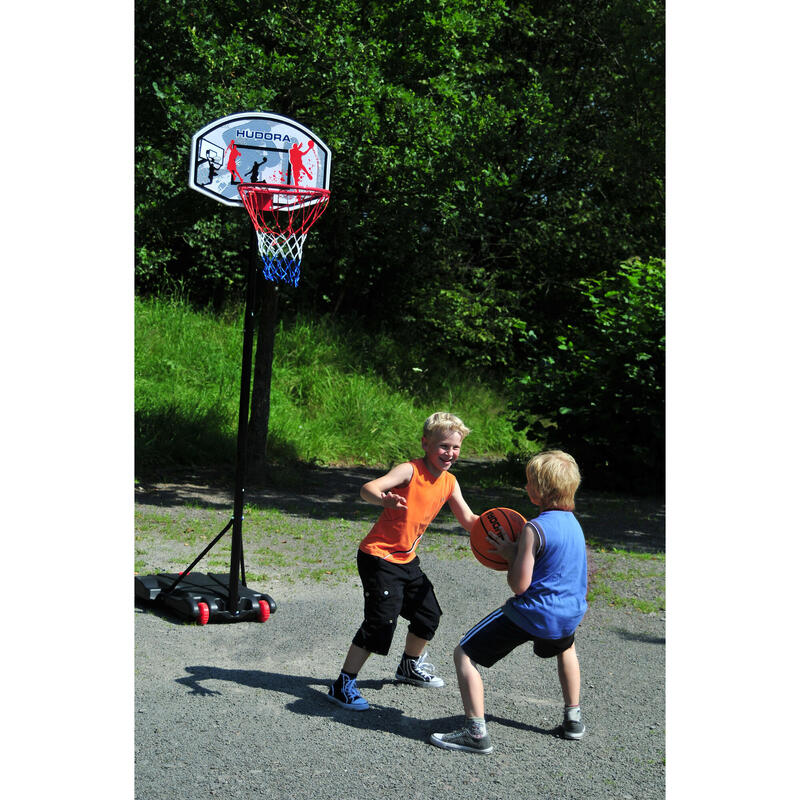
256	147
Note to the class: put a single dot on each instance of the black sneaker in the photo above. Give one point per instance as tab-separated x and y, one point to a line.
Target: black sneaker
462	740
418	672
348	696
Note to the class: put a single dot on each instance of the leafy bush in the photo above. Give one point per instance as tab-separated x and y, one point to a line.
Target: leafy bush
595	385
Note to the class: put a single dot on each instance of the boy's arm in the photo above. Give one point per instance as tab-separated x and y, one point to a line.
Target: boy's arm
378	492
519	555
463	513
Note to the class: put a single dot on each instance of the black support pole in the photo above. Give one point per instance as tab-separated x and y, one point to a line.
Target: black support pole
237	553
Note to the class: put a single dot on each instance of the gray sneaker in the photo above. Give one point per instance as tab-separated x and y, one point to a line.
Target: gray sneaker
462	740
419	672
573	728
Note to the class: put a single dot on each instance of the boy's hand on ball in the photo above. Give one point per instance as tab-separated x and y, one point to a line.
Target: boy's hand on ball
506	548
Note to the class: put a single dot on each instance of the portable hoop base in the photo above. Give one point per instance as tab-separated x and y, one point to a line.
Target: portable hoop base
203	598
212	597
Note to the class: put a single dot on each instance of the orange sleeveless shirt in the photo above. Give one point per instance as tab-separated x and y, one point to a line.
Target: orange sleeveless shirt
394	537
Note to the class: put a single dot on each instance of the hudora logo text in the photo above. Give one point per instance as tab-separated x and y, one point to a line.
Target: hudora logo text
494	522
273	137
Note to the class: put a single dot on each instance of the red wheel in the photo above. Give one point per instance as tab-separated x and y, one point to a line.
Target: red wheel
202	618
263	608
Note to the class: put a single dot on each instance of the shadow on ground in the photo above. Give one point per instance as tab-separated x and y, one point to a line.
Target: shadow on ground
609	520
304	693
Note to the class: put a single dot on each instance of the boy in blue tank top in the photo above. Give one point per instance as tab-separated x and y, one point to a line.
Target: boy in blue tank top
547	573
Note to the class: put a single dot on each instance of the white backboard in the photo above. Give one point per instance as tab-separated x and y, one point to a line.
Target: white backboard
256	147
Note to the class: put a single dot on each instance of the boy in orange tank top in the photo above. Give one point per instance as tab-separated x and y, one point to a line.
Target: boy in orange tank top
411	495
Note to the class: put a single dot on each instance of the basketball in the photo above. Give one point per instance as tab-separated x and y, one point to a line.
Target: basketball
495	520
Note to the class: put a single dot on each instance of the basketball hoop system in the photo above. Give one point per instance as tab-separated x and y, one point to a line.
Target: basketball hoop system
270	150
282	216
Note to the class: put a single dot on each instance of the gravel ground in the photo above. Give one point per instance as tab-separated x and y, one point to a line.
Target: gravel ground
239	710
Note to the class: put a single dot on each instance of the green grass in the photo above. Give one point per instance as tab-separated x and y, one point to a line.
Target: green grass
332	400
289	548
626	579
279	545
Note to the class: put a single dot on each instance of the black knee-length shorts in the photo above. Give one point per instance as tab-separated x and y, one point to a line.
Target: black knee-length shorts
392	591
495	636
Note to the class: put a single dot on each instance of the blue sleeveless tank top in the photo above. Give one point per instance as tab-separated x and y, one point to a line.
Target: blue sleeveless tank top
555	602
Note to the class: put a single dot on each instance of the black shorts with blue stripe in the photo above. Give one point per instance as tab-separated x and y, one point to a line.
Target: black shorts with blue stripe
495	636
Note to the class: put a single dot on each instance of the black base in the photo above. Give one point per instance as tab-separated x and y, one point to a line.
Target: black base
203	598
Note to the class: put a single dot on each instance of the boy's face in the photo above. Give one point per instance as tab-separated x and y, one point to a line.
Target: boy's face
442	450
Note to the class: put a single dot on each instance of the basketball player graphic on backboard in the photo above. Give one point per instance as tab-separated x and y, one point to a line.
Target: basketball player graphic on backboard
211	170
296	160
231	165
255	169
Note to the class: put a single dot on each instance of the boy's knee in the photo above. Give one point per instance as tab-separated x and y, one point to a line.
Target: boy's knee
547	648
424	628
459	656
376	637
424	615
570	652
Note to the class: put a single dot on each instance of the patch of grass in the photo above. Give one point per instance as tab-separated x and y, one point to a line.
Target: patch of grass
290	548
185	526
448	548
332	401
610	598
634	554
277	544
625	579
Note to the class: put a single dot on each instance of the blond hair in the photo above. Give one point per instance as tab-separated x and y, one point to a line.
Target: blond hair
555	476
442	422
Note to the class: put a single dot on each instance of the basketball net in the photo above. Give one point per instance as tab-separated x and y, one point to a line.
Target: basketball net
282	216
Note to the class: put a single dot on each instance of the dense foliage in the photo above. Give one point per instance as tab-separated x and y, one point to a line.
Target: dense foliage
494	162
601	390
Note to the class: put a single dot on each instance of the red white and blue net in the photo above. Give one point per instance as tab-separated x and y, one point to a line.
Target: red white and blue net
282	216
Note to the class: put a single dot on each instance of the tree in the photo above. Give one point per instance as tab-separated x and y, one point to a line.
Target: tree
488	155
595	385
